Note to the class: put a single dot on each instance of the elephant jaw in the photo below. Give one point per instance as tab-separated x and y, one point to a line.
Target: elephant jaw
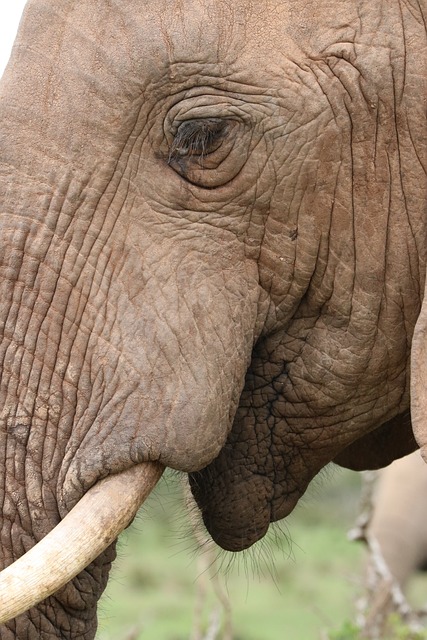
90	527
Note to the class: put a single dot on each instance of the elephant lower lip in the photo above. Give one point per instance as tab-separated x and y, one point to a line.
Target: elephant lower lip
238	538
238	541
243	519
278	512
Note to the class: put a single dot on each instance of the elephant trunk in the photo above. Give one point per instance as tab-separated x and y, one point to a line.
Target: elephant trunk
94	523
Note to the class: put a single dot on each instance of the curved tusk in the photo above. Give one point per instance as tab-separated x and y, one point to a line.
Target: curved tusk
90	527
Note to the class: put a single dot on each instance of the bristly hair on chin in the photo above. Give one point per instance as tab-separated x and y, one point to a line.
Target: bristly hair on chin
257	561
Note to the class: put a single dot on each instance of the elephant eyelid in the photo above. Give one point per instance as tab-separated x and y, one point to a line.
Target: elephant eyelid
197	137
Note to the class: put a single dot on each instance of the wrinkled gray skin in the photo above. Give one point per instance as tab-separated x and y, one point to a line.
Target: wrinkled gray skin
212	254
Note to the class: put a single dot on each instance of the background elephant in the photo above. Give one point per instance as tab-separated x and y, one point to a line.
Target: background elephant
399	517
394	527
212	258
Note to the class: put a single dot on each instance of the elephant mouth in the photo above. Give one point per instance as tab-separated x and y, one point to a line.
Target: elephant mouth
86	532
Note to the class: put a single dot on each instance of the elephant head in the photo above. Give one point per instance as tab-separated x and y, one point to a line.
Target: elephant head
212	258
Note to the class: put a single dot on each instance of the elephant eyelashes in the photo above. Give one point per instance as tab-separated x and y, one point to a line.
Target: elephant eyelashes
197	138
208	152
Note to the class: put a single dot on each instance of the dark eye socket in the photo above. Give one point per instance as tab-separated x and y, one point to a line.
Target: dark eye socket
197	138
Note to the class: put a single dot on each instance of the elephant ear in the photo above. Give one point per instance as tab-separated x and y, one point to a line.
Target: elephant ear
419	380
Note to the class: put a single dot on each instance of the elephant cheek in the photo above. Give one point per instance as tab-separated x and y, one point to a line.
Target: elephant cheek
181	430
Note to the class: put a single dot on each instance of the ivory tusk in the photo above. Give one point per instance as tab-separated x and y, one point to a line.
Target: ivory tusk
90	527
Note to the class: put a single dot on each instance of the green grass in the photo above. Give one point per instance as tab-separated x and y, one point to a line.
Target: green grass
279	591
396	629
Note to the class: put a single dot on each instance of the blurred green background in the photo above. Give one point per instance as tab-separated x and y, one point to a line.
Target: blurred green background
298	583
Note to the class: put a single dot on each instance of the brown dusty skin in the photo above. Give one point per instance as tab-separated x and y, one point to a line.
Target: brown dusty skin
90	527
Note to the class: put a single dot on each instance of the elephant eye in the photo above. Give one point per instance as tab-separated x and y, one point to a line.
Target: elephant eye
208	152
198	138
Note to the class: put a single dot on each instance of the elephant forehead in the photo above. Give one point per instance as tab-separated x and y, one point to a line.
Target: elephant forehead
103	59
125	35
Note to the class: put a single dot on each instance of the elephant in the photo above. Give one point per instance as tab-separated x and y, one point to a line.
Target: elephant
212	259
399	517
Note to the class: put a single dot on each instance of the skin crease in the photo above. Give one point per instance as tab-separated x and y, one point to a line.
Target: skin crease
239	304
